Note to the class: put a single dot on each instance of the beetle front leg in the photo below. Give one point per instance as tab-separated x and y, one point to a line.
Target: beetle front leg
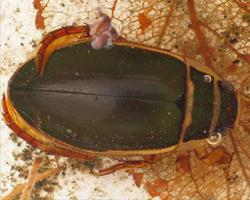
125	166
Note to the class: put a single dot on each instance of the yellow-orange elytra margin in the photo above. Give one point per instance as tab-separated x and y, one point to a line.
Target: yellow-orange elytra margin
58	39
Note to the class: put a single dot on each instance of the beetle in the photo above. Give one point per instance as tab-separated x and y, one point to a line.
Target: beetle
76	101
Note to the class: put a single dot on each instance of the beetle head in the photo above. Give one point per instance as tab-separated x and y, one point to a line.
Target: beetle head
229	107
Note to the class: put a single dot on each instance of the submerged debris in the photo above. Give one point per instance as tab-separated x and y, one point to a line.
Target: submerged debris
102	32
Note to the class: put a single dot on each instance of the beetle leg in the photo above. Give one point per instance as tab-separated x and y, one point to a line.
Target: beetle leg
218	155
125	165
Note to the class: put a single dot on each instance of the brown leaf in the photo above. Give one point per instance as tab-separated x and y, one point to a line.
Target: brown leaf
138	177
183	161
157	187
144	21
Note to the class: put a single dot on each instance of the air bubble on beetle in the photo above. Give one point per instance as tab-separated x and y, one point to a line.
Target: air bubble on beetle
77	74
68	130
214	139
207	78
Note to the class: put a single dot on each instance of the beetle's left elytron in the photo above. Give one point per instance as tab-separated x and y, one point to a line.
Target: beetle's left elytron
128	100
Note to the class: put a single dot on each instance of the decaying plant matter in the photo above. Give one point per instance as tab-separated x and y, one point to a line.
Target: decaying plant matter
24	190
215	33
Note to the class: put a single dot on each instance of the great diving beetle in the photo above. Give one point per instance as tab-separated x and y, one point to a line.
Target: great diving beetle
128	100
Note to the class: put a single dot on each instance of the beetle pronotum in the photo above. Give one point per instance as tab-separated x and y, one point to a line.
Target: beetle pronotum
128	100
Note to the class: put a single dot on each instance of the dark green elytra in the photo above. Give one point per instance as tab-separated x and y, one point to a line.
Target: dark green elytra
122	98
